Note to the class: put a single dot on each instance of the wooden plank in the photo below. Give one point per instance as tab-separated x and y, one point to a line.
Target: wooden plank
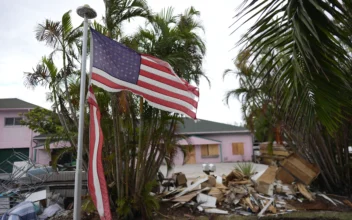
191	155
204	150
279	153
300	168
284	176
213	149
275	148
272	157
234	149
240	148
267	161
265	144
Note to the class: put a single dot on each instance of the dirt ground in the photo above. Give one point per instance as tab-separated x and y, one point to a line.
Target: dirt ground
317	215
318	209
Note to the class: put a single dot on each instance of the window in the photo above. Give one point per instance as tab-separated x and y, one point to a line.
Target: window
12	121
210	150
237	149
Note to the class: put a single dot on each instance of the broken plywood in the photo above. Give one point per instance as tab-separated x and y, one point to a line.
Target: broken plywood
191	187
264	183
284	176
211	182
217	193
300	168
302	189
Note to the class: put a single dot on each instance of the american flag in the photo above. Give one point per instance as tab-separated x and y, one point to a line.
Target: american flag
116	67
96	179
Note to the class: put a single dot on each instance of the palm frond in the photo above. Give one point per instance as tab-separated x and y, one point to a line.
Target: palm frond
66	24
49	32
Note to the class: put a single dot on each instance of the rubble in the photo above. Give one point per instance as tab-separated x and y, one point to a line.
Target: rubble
273	191
273	155
265	183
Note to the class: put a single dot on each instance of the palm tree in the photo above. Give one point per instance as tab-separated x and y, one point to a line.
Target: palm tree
175	39
137	137
305	49
64	39
166	37
316	66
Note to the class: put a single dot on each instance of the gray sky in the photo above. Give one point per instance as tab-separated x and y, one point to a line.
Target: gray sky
20	51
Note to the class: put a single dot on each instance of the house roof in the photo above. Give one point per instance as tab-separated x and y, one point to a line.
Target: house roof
201	126
194	140
41	136
15	103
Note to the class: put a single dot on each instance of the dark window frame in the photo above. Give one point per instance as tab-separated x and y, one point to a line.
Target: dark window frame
16	121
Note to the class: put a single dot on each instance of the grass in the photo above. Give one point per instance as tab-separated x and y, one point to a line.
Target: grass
246	168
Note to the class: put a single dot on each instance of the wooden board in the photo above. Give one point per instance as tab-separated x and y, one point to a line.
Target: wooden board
265	144
237	149
213	149
284	176
264	183
204	150
300	168
272	157
275	152
191	157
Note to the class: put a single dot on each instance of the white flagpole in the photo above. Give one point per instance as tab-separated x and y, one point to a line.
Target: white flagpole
87	13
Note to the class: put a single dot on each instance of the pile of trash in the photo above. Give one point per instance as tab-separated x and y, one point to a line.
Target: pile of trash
271	191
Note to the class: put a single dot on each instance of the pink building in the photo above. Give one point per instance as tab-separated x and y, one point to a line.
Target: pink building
205	141
212	142
17	138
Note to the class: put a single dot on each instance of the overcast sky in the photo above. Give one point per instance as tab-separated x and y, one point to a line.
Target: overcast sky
20	51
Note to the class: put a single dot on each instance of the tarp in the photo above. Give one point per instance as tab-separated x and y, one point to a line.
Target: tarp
22	211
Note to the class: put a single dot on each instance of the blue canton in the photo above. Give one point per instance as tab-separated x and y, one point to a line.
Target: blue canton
115	59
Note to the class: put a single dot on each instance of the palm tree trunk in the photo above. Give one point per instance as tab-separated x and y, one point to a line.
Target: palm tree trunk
140	152
73	114
116	143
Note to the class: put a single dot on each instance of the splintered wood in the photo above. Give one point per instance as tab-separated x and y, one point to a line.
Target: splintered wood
303	190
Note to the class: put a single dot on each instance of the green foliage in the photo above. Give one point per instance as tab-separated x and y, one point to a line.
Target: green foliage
42	121
246	168
294	71
59	154
125	208
175	39
304	54
88	205
137	137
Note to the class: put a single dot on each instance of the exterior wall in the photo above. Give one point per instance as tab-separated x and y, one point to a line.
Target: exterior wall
42	157
15	136
178	160
226	146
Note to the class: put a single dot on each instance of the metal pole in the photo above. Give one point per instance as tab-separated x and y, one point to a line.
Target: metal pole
86	12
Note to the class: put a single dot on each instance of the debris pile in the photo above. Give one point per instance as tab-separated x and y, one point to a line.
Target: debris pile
268	192
275	155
